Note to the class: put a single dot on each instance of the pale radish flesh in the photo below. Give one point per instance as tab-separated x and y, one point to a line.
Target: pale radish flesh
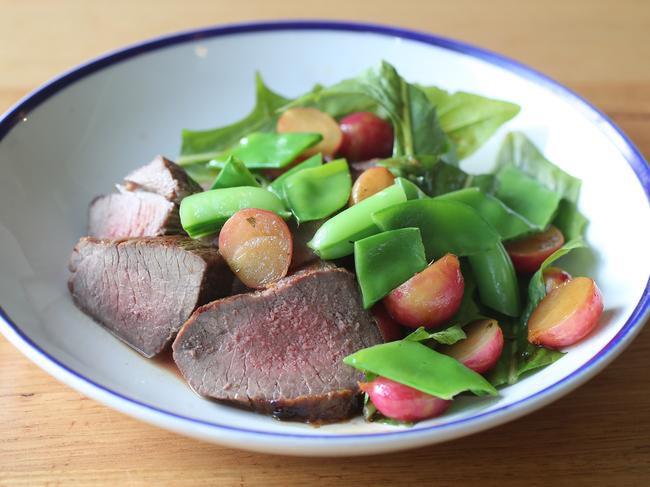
257	245
566	315
527	254
365	136
429	298
555	277
369	182
312	120
482	348
403	403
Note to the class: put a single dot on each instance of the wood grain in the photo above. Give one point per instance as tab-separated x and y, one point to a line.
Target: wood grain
597	436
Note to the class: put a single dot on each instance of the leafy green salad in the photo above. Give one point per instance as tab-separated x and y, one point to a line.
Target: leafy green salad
456	268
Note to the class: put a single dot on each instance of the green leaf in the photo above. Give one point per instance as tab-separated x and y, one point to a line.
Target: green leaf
570	221
416	365
336	105
262	150
234	174
518	151
414	120
200	146
469	120
526	196
448	336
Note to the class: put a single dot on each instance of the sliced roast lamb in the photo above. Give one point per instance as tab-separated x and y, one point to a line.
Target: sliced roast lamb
280	351
144	289
147	205
163	177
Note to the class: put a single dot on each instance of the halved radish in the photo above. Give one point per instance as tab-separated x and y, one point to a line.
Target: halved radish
305	119
555	277
257	245
388	327
482	348
369	182
567	314
527	254
403	403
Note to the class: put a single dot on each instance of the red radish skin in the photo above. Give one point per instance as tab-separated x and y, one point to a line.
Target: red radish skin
403	403
257	245
365	136
527	254
304	119
390	330
429	298
481	350
369	182
566	315
555	277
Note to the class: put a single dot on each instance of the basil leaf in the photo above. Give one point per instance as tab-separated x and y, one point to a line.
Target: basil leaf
414	120
518	151
200	146
448	336
416	365
469	120
527	196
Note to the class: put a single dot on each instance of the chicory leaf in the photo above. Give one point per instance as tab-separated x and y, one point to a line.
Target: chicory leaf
469	120
518	151
416	365
200	146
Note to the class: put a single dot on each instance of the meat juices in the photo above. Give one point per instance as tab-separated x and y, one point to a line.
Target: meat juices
143	289
279	351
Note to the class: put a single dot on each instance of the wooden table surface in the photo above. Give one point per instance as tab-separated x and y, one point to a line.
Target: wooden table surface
598	436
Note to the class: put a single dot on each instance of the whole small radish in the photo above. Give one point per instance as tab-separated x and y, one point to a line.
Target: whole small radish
481	350
365	136
403	403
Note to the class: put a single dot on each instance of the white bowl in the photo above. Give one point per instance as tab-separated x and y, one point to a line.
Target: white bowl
76	136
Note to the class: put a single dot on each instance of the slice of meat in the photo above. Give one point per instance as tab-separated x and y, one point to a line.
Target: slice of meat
280	351
138	214
144	289
163	177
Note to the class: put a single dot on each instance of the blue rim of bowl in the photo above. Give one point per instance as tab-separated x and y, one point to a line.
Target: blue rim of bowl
625	146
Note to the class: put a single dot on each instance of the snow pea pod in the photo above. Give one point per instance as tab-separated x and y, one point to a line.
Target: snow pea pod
386	260
205	213
336	237
262	150
505	221
446	226
412	190
277	186
496	280
234	174
413	364
526	196
313	194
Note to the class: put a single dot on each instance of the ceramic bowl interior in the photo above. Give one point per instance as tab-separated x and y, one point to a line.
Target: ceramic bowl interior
78	136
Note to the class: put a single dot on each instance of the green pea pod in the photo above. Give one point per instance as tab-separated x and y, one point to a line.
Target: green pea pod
234	174
526	196
412	190
413	364
446	226
386	260
508	223
336	237
262	150
277	186
496	280
203	214
313	194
